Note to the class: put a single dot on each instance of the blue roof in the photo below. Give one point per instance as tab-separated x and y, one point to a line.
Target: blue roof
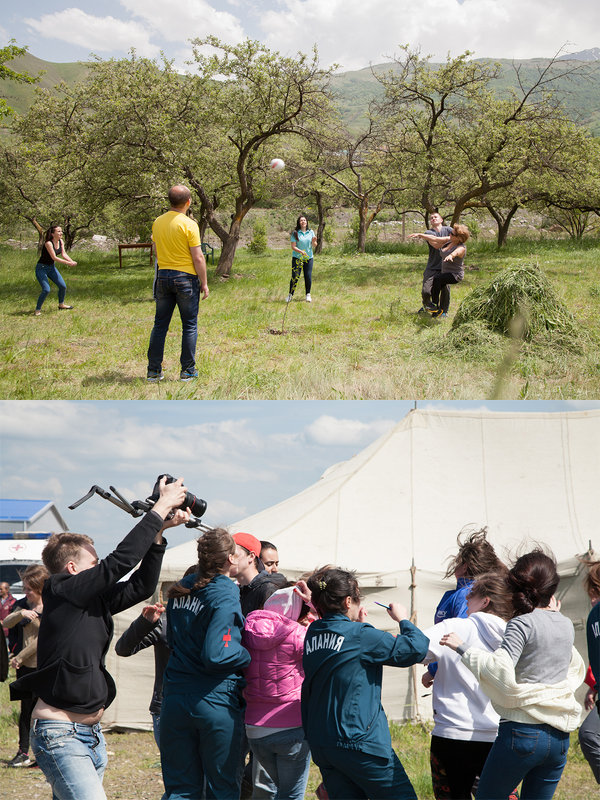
21	510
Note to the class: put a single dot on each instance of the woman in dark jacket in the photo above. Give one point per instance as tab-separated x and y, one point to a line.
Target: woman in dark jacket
343	719
202	716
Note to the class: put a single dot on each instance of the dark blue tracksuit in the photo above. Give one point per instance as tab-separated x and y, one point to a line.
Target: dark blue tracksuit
342	715
201	722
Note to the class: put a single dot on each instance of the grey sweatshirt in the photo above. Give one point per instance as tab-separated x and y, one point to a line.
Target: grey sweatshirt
540	645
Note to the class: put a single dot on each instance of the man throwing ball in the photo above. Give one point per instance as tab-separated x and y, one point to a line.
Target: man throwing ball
434	262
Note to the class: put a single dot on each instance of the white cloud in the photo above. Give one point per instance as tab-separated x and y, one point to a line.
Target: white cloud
96	34
355	32
328	431
187	19
221	512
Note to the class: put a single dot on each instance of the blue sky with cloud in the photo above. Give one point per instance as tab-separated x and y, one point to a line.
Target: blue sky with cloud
352	33
240	457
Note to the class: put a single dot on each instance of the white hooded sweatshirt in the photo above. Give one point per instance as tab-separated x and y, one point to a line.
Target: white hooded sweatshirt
461	710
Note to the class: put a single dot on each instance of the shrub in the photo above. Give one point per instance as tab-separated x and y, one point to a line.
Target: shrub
258	243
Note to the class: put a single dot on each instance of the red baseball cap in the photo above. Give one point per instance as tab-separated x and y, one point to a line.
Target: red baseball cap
251	543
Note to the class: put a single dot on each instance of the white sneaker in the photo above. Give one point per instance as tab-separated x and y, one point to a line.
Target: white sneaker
288	299
308	298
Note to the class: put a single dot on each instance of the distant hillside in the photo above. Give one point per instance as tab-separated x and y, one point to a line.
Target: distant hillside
581	93
20	95
355	89
583	55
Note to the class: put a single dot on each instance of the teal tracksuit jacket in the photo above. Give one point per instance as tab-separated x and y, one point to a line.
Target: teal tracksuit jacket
205	636
343	668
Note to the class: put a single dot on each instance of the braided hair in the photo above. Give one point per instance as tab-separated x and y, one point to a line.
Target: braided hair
214	549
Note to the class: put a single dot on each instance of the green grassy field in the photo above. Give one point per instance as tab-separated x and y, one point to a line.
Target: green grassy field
360	338
133	771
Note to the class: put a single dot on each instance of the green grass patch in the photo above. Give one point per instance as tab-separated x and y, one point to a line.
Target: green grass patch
359	338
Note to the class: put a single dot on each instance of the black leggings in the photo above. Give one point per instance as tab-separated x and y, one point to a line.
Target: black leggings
455	764
297	266
27	705
439	287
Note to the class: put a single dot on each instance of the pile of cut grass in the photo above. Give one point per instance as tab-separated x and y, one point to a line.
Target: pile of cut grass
519	302
472	341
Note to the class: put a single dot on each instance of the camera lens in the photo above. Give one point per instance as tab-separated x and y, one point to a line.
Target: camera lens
196	505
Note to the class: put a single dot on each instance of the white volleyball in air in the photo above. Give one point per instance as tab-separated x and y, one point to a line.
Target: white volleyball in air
277	164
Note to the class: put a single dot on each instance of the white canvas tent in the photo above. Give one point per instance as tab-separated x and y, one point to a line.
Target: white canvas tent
400	503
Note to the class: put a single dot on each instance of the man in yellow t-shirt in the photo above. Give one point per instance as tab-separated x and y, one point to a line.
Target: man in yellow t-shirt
181	277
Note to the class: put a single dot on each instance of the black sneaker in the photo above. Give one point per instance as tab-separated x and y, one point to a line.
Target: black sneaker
188	374
422	310
154	377
431	307
20	760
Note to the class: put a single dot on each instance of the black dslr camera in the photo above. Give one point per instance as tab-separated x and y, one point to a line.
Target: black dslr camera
138	507
195	504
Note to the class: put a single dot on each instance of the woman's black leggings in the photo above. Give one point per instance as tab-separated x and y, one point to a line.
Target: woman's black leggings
455	765
297	266
27	705
440	287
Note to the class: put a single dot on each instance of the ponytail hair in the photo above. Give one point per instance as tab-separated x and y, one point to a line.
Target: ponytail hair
214	549
532	581
330	587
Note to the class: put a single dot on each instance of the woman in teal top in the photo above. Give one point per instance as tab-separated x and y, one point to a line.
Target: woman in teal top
303	240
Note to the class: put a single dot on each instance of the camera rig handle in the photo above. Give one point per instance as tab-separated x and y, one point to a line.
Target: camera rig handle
136	508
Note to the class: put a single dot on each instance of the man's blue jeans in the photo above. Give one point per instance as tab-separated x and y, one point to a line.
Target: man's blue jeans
71	756
285	756
175	288
535	754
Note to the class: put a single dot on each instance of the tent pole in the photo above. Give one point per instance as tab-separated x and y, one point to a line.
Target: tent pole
415	715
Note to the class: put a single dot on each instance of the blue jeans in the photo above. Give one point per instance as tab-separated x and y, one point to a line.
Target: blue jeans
354	775
175	288
71	756
534	754
285	756
201	740
46	273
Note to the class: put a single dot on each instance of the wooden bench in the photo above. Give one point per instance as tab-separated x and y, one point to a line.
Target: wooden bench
135	247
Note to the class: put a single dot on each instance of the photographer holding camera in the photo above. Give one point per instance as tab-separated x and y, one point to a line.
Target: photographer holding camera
71	682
